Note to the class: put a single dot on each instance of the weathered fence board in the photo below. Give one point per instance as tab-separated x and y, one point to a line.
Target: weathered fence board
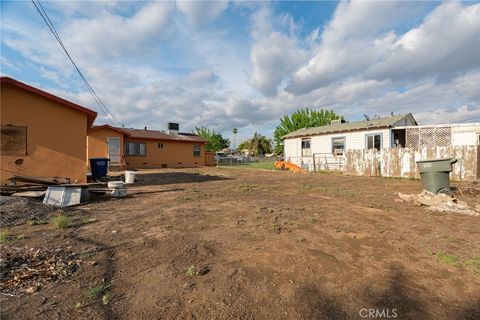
401	162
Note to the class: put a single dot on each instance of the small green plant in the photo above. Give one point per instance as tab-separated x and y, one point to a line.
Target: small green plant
4	235
276	227
351	194
475	261
86	220
452	239
191	271
247	187
96	291
78	305
446	258
60	221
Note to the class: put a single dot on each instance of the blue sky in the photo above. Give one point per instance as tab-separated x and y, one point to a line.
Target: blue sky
245	64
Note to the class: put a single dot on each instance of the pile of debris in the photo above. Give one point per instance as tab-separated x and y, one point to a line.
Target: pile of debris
468	189
15	211
32	186
57	190
441	203
28	270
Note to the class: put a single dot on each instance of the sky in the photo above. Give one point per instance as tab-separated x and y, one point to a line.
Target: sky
244	65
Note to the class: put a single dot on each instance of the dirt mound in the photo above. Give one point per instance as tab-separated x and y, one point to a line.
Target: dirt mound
16	211
25	269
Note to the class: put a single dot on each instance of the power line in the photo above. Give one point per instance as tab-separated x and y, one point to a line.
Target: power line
51	26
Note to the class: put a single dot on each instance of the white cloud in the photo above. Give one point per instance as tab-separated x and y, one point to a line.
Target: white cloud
445	45
199	13
150	67
360	41
273	54
110	35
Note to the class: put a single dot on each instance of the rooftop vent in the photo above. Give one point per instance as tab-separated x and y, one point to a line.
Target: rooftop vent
337	121
173	128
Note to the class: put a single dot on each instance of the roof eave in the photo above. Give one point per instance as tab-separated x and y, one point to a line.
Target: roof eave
91	115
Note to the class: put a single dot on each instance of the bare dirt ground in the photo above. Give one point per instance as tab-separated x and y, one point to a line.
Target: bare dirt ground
226	243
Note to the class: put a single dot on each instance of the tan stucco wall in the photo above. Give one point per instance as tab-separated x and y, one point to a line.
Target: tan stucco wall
56	136
97	142
174	155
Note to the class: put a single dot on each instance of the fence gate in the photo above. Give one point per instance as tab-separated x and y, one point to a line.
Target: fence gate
210	159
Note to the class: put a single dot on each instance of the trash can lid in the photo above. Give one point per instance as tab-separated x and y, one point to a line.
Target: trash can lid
102	159
451	160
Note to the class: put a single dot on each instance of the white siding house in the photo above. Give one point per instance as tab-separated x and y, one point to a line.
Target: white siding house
323	147
327	143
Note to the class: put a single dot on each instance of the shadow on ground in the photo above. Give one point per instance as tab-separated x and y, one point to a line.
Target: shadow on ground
396	299
163	178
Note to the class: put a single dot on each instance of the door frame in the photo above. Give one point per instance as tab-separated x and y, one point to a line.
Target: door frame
111	162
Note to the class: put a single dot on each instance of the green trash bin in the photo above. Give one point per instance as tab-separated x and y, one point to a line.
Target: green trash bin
435	174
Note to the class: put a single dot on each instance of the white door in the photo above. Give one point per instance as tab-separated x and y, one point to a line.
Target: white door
114	151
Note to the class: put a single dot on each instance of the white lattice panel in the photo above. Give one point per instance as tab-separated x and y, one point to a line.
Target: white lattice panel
427	137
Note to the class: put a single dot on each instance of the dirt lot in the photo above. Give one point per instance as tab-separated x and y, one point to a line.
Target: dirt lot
226	243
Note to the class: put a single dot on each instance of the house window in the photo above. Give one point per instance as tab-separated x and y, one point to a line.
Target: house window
135	149
196	150
306	149
338	145
373	141
160	145
13	140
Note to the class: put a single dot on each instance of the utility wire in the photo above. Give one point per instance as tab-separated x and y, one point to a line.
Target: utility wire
51	26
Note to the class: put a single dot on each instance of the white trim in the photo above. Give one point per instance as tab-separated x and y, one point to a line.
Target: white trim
440	125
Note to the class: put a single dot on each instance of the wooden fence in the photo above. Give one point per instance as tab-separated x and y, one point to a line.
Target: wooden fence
401	162
210	159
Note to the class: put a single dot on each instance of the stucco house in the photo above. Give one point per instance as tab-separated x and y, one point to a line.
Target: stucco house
42	135
142	148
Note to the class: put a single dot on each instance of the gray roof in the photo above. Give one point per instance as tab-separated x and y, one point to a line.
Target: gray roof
350	126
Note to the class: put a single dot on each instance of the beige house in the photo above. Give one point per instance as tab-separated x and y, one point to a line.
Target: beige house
141	149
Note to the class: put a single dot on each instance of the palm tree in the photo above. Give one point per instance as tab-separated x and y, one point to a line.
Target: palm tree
234	136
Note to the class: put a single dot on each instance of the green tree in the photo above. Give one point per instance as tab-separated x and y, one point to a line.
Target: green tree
215	140
302	118
258	145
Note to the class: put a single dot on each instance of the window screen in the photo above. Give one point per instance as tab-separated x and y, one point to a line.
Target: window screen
135	149
196	150
306	147
374	141
14	140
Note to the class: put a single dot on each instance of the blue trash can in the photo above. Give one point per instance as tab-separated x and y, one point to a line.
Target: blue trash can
99	167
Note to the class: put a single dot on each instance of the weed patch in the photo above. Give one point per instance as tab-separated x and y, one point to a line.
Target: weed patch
446	258
191	271
248	187
96	291
60	221
4	236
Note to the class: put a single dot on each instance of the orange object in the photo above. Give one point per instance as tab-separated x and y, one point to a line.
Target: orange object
284	165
